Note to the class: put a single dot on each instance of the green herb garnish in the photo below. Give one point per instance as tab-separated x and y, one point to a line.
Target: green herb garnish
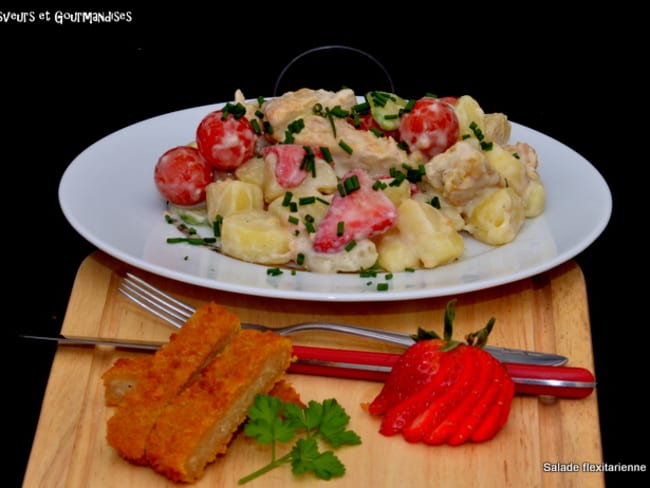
270	420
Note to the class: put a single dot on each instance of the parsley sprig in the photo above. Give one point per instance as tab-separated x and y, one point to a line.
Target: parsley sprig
270	420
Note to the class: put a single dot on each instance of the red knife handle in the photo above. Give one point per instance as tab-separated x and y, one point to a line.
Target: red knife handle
559	381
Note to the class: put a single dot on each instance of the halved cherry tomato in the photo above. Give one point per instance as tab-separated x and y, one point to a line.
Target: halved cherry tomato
181	175
225	142
431	127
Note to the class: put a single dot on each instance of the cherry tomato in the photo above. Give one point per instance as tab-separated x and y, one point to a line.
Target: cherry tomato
225	143
430	127
181	175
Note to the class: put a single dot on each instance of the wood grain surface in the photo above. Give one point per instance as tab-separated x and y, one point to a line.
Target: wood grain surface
546	313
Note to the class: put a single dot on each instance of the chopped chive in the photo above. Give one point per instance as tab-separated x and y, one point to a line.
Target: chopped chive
399	177
378	185
194	241
345	147
216	225
409	270
327	155
332	124
169	219
267	127
293	220
296	126
310	227
300	259
340	227
350	245
361	108
486	146
259	114
256	126
339	112
382	286
176	240
435	202
274	271
351	184
409	105
237	110
322	200
377	132
306	200
287	199
389	276
293	207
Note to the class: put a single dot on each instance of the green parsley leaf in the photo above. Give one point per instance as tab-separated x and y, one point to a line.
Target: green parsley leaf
270	420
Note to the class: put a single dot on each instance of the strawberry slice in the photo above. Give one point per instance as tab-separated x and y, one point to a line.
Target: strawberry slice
402	414
497	415
359	213
292	162
457	418
432	416
475	417
414	369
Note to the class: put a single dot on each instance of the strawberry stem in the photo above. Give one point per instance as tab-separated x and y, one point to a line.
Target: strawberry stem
477	339
450	315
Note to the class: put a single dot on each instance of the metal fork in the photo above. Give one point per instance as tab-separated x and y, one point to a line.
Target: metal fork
176	313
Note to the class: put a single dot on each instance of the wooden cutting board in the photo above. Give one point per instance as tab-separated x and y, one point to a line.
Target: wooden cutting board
547	313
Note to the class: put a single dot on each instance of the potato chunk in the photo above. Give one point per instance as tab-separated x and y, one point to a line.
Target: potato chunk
496	217
430	233
395	253
256	236
225	197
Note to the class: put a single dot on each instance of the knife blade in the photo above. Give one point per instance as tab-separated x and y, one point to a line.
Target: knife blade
529	379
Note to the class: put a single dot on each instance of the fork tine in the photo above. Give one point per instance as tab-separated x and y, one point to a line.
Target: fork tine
162	305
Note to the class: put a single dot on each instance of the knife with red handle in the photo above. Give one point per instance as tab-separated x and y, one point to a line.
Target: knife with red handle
529	379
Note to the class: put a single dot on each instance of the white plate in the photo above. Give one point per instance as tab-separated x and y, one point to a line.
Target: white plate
108	195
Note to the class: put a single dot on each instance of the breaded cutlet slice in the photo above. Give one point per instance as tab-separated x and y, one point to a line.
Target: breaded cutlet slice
200	422
126	372
122	377
204	334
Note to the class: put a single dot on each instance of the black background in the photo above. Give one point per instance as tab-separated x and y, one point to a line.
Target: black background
66	86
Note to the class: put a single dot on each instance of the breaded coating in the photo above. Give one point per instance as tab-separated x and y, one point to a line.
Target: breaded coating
126	372
123	376
199	423
204	334
286	392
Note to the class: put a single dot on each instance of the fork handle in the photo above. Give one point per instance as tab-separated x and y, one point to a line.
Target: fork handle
377	334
